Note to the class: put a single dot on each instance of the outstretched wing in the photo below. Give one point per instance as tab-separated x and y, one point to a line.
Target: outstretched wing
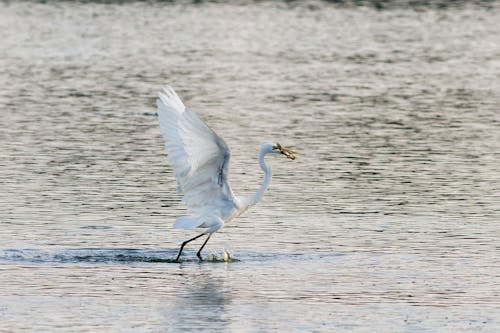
199	157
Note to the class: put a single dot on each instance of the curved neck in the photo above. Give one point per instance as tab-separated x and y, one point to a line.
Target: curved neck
253	199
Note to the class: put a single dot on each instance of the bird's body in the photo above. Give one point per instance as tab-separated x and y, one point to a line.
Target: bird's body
200	159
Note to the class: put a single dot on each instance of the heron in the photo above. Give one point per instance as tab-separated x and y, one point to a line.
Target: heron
200	161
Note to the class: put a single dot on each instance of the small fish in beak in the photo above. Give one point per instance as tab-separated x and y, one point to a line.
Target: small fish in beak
286	151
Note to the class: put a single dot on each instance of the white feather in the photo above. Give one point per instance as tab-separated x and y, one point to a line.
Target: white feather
200	161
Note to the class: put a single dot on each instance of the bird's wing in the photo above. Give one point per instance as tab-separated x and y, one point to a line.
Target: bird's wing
199	157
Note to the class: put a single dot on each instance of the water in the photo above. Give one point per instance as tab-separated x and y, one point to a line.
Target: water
387	221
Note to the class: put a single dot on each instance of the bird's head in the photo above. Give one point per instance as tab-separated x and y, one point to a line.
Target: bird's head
279	149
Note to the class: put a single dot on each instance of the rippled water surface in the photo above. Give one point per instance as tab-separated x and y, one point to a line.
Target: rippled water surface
387	221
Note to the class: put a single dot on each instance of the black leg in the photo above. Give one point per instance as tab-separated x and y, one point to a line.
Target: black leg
198	254
184	244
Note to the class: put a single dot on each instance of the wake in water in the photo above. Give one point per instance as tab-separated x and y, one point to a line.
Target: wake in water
105	256
137	256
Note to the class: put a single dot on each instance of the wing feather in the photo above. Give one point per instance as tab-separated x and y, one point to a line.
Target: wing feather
199	157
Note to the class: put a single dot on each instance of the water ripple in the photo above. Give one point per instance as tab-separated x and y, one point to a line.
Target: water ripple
387	221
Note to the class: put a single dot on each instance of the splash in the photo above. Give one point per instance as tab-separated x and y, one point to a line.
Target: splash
225	256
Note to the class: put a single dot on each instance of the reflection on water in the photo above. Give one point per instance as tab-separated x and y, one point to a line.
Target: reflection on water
208	302
389	216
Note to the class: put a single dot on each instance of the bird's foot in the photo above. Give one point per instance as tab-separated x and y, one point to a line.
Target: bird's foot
178	257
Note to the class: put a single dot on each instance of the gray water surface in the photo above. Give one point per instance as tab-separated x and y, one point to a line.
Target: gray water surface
387	221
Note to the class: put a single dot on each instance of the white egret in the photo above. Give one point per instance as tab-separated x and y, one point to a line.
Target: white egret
200	160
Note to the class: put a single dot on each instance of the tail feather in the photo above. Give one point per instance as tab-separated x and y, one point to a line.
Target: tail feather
186	222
